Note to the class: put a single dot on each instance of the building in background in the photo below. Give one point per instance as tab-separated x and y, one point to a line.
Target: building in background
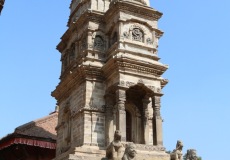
35	140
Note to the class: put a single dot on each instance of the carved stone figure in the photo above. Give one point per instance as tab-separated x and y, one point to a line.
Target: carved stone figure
191	154
177	153
99	43
126	35
137	35
130	152
149	41
113	151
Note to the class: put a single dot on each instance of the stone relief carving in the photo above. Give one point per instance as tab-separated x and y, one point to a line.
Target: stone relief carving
129	84
113	151
149	41
137	34
126	35
121	107
122	83
158	90
130	152
152	88
191	154
177	153
141	81
139	26
99	43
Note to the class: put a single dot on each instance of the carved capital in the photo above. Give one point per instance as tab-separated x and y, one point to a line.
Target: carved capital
156	105
121	105
156	100
90	33
120	95
146	101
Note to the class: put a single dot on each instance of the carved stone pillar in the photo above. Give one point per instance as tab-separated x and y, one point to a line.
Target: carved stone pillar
121	115
89	40
120	30
109	123
146	119
157	121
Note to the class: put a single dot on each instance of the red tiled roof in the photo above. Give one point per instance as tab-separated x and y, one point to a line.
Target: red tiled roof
40	132
44	127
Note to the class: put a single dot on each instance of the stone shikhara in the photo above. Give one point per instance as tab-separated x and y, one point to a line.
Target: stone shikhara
111	79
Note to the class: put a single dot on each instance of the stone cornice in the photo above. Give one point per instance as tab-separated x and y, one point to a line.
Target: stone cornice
124	63
133	9
79	5
164	82
88	109
87	16
114	51
64	87
76	77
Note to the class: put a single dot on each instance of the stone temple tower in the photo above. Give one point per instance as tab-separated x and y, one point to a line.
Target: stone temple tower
111	79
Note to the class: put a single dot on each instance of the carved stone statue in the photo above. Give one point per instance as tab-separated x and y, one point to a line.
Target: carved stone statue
130	152
191	154
177	153
113	151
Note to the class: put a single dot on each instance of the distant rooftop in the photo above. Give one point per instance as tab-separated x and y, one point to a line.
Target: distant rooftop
40	132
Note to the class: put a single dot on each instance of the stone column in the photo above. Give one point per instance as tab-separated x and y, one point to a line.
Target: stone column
89	40
146	119
157	121
120	30
109	119
121	115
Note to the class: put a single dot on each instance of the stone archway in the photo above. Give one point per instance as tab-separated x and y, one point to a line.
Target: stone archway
138	106
134	131
135	111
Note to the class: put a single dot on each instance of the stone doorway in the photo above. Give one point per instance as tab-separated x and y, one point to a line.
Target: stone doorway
136	114
128	126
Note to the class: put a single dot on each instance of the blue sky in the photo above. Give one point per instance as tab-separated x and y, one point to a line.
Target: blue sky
196	103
